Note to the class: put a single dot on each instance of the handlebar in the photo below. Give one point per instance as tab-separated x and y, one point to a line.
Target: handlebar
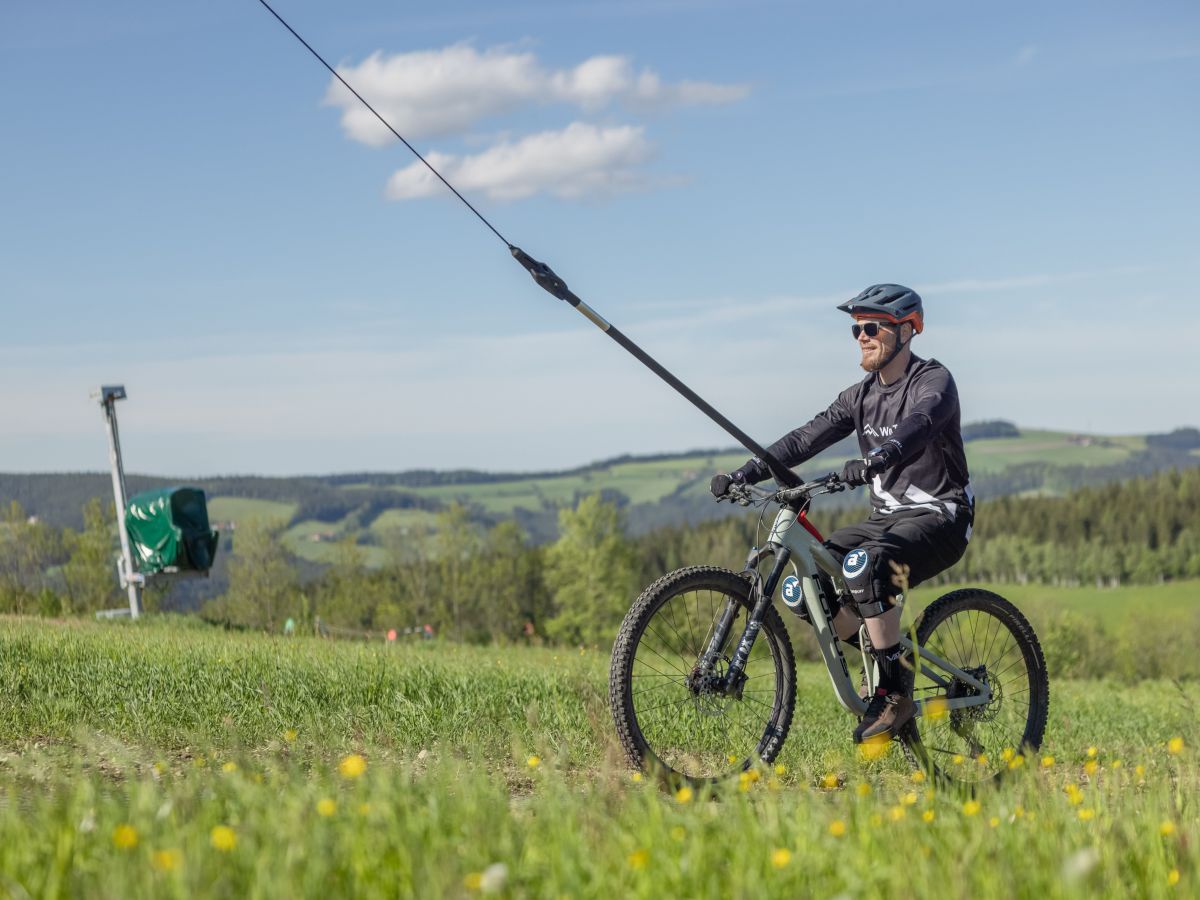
743	494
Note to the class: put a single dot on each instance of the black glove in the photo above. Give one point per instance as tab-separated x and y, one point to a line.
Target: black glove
751	472
860	471
720	483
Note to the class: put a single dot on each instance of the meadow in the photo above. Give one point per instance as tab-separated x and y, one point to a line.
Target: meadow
165	758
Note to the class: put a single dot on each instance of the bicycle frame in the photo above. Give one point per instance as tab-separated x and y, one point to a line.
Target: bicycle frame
794	541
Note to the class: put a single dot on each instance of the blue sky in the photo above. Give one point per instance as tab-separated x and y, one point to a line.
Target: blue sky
189	210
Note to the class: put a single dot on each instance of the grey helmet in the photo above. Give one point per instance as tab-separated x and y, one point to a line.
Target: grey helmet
893	302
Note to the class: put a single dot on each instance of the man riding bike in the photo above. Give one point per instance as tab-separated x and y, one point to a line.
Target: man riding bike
906	415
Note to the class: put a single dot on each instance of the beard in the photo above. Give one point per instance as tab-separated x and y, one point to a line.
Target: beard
872	360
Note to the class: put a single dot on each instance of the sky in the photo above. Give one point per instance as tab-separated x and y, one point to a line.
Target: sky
193	208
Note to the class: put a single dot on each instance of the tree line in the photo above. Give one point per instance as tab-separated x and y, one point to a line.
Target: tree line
491	584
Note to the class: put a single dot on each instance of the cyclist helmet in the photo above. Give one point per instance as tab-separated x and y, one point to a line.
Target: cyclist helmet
892	302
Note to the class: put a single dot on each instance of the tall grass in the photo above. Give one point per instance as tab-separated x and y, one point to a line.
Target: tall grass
155	760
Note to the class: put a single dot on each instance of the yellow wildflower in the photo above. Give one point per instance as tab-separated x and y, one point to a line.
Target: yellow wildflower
166	860
780	857
636	777
1074	794
927	816
958	759
290	735
896	813
1175	746
1091	767
937	708
639	859
918	776
994	821
1016	762
1047	762
684	795
230	766
1092	752
222	837
1116	764
909	799
125	837
1086	815
874	748
473	881
1167	828
971	808
326	807
352	766
837	828
862	789
780	769
534	761
830	781
1173	878
1007	753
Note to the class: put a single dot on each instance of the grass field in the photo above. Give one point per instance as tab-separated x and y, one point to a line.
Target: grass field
241	509
1113	607
168	759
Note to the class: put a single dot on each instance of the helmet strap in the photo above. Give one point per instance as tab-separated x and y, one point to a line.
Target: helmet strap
900	345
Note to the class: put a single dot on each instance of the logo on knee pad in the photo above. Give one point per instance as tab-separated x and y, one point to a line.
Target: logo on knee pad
792	594
855	563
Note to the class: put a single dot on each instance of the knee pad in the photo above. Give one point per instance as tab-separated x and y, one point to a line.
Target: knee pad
860	570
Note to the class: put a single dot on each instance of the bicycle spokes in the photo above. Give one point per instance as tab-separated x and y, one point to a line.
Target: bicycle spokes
688	713
972	743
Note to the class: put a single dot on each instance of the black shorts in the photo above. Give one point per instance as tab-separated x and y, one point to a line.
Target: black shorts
925	541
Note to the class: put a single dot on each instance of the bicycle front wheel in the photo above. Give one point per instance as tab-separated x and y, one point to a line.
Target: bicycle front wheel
987	637
677	722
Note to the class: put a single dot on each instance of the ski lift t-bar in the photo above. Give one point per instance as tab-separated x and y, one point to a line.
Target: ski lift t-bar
545	277
551	283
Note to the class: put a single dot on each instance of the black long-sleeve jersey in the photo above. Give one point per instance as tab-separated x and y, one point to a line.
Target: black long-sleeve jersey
920	412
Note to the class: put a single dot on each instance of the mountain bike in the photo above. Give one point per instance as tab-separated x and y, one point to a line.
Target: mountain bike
696	698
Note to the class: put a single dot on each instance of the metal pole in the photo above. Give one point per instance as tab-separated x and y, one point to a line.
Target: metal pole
131	580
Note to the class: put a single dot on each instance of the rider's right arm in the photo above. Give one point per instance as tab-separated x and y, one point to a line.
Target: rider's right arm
805	442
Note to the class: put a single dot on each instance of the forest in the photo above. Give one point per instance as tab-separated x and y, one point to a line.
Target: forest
478	583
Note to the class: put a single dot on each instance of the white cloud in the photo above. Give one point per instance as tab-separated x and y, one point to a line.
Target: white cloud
581	160
438	92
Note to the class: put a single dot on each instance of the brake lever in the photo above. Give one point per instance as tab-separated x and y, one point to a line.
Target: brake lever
739	494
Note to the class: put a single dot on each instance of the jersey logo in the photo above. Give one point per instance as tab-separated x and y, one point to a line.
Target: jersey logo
791	593
854	563
883	431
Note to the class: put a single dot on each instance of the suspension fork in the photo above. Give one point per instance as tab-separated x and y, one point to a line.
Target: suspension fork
761	593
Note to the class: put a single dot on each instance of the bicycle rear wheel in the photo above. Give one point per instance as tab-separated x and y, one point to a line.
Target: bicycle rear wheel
986	636
674	721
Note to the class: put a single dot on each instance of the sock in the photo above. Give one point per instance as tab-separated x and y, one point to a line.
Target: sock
892	671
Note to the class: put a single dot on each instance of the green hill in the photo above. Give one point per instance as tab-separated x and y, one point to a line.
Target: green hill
653	490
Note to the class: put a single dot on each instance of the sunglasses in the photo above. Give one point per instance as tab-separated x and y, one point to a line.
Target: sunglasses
870	329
